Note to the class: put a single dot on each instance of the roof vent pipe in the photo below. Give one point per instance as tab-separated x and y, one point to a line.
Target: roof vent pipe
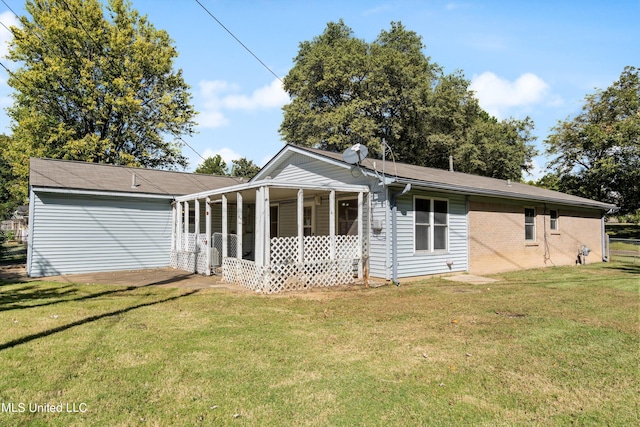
450	163
133	181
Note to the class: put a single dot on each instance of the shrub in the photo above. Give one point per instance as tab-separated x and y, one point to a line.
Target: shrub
3	239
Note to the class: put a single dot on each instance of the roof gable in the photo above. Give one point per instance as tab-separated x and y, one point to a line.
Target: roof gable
84	176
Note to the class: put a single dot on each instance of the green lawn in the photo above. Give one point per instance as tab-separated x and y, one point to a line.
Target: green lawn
556	346
623	231
13	253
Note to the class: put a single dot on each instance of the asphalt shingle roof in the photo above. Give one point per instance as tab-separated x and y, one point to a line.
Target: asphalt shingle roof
65	174
466	183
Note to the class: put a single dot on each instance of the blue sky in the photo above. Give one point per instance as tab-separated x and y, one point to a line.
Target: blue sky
524	58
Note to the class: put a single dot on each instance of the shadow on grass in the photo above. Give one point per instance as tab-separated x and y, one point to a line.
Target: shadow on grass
626	267
12	299
89	319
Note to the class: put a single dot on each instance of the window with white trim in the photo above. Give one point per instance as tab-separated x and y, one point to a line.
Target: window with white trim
530	224
431	224
553	219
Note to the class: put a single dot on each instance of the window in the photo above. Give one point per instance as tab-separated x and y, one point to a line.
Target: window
431	224
530	224
348	216
423	224
273	221
553	222
308	220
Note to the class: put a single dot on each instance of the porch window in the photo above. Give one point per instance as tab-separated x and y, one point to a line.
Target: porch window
530	224
431	227
273	221
308	221
553	221
348	217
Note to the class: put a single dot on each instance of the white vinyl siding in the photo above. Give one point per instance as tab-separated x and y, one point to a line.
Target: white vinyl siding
413	263
79	234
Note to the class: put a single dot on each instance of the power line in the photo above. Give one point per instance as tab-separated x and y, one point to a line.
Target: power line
238	40
9	7
192	149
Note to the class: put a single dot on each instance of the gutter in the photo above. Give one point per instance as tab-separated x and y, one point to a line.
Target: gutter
501	194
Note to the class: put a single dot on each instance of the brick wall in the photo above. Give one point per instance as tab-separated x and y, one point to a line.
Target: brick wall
497	237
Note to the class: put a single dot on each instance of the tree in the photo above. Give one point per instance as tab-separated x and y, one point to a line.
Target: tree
95	88
346	91
213	166
244	168
597	153
7	182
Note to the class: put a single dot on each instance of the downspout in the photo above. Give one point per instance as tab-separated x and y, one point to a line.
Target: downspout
394	235
604	234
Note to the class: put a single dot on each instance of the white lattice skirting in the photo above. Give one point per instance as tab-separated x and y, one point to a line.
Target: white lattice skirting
285	273
194	257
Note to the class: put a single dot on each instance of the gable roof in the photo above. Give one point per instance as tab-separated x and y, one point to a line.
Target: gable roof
83	176
445	180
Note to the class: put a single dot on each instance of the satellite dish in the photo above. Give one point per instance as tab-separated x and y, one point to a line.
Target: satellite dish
355	154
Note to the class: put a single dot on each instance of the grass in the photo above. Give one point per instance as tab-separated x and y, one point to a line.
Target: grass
13	253
623	231
554	346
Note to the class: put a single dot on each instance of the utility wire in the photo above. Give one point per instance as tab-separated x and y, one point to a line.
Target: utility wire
192	149
238	40
9	7
12	74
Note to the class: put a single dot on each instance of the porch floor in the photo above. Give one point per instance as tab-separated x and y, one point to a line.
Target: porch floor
164	277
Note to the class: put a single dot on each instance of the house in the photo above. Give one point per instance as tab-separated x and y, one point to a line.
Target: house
321	220
310	218
87	217
17	226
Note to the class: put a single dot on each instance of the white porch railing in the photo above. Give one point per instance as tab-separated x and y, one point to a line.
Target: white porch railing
193	258
285	272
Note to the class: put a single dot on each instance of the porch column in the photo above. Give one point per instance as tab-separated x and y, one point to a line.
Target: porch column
224	227
267	227
173	226
207	231
196	233
360	228
239	225
179	226
259	228
300	226
185	237
332	224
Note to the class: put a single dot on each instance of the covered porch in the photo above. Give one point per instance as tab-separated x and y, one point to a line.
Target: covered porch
273	236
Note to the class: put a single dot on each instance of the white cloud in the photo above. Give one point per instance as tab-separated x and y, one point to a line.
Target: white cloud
496	95
8	19
226	153
537	170
219	96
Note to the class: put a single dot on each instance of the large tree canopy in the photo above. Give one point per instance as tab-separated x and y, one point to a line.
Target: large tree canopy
95	86
346	91
597	153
